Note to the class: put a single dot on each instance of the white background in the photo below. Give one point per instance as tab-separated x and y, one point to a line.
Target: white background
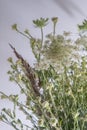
22	12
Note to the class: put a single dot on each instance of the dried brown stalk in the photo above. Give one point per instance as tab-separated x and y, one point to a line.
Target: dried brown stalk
29	72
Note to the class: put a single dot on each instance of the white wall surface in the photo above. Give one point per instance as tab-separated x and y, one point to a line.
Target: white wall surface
22	12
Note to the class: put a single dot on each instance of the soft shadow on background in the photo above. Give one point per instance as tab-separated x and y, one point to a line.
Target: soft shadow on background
69	7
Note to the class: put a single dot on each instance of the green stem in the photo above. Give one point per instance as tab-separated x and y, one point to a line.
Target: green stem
53	102
41	36
54	29
25	35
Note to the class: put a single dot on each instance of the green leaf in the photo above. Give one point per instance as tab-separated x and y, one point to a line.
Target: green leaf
1	118
14	27
10	60
11	78
83	26
26	31
3	96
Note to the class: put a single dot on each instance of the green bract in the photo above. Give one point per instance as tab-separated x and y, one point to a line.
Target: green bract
40	22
